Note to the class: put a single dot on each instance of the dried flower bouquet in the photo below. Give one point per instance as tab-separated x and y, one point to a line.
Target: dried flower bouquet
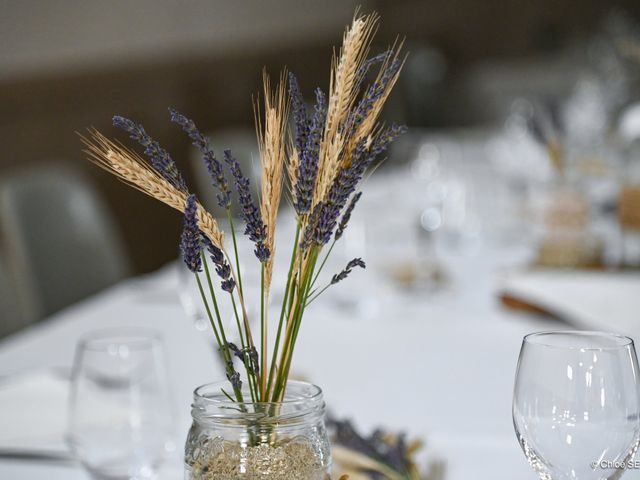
324	154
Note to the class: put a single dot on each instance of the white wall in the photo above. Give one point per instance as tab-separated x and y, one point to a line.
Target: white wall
39	36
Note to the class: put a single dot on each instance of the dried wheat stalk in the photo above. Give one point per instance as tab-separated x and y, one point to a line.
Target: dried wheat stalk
131	169
342	95
272	140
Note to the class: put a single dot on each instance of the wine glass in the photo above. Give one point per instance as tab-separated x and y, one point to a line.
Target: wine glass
576	404
121	416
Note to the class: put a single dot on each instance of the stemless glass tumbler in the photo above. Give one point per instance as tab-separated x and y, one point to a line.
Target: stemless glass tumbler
121	417
576	404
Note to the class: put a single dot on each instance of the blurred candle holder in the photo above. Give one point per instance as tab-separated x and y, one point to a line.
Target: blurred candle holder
567	240
629	215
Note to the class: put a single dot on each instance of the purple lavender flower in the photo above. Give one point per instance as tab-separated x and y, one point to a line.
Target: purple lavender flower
233	377
386	138
262	251
308	169
312	223
342	187
356	262
370	63
160	159
298	107
190	241
371	95
235	350
223	269
255	227
346	216
228	285
248	356
347	179
376	446
214	167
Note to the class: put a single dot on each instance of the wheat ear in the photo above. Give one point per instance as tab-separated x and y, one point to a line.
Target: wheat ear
133	170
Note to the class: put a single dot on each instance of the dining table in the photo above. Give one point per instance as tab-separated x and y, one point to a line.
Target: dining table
431	356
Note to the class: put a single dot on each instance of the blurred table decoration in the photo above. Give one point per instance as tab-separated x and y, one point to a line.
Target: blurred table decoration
629	212
259	423
584	299
381	455
629	197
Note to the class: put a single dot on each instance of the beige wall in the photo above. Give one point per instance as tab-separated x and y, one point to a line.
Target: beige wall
63	35
69	64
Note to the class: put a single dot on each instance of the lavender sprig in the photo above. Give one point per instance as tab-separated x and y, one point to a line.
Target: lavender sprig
338	277
346	216
386	138
347	179
308	169
214	167
233	376
248	356
314	218
190	241
160	158
370	63
371	95
391	450
255	227
298	107
223	269
342	186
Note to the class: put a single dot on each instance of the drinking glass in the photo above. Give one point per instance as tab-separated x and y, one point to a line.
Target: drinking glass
121	416
576	404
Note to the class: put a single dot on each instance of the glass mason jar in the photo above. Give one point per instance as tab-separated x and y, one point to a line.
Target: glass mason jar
274	441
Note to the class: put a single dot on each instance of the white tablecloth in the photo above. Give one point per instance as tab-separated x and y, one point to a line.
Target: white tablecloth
438	365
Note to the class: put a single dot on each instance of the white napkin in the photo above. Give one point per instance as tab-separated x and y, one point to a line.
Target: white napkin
588	299
33	412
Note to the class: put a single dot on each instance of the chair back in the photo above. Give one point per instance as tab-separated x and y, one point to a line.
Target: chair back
61	240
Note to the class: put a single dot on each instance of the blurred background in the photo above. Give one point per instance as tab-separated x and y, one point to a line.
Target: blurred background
477	66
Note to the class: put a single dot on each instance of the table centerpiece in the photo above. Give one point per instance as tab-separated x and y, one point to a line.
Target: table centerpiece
259	423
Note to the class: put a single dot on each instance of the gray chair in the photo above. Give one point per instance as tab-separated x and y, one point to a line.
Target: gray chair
61	241
11	317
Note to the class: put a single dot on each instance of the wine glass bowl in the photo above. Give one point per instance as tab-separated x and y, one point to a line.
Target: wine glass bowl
576	405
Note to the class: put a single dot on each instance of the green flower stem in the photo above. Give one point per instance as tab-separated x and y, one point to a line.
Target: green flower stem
248	341
237	275
295	318
282	310
244	346
224	349
215	304
263	335
296	329
313	297
226	394
326	257
235	248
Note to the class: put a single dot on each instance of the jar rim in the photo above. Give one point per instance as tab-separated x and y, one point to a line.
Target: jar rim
218	399
303	402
